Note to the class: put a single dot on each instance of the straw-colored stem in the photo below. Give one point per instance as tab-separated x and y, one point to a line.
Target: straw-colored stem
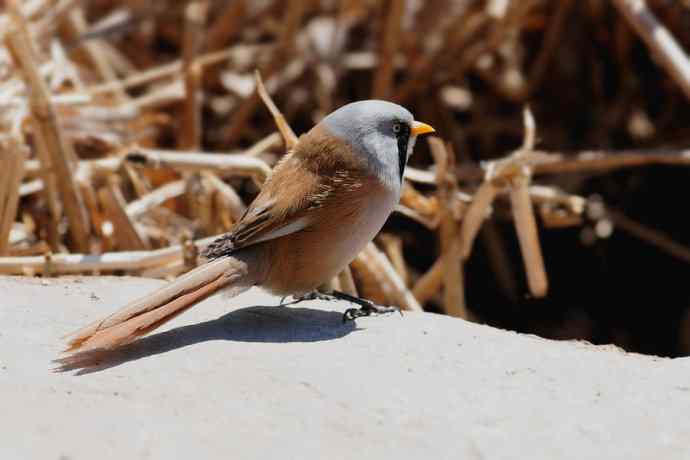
130	261
128	236
172	69
651	236
14	156
451	255
95	53
286	131
589	161
392	246
199	198
31	187
264	145
663	46
429	222
414	199
195	22
426	287
223	164
141	206
376	265
174	159
526	227
49	136
419	175
294	13
347	282
6	165
228	24
231	200
91	203
476	212
389	45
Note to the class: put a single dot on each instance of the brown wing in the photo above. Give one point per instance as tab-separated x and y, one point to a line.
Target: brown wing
302	182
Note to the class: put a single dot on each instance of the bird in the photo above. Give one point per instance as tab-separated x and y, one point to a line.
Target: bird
323	202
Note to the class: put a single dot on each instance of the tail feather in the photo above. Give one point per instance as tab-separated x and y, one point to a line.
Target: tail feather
148	313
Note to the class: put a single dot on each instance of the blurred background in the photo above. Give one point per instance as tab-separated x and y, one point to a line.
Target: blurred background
548	205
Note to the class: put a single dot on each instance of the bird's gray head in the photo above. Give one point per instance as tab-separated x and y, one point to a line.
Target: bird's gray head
381	132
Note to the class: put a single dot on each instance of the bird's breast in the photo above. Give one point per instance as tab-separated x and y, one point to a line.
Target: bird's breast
339	231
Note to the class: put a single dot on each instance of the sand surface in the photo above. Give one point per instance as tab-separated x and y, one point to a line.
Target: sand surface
244	378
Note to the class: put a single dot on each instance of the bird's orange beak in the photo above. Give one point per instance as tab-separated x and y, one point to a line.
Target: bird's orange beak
421	128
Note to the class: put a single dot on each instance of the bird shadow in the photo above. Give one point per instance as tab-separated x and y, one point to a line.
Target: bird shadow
274	324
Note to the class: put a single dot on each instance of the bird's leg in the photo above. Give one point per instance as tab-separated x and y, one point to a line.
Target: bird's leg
366	307
313	295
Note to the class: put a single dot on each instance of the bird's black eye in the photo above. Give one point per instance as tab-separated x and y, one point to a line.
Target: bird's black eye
397	128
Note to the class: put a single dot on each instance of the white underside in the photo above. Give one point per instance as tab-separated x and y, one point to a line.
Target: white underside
352	240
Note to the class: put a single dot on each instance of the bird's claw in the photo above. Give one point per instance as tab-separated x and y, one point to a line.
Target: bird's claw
367	310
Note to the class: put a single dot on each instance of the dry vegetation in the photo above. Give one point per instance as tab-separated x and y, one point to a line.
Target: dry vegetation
133	132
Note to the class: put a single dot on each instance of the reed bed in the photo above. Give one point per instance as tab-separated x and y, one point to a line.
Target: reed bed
131	134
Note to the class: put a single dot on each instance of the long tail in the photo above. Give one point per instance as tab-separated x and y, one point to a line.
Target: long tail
142	316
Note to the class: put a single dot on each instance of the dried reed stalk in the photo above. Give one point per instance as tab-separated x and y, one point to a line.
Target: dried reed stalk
347	282
372	263
12	160
451	250
6	164
195	22
286	131
477	211
200	202
412	198
588	161
523	212
130	261
170	70
154	199
650	236
49	136
94	50
526	226
31	187
180	161
392	246
231	200
224	164
127	234
98	51
294	13
659	40
419	175
426	287
96	215
227	25
265	144
383	78
429	222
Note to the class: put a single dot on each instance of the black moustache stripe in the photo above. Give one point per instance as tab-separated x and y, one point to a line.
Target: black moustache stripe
403	140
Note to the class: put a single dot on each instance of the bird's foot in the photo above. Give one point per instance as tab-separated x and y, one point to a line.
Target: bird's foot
352	314
366	307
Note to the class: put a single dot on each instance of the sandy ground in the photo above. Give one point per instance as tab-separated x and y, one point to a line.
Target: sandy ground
243	378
